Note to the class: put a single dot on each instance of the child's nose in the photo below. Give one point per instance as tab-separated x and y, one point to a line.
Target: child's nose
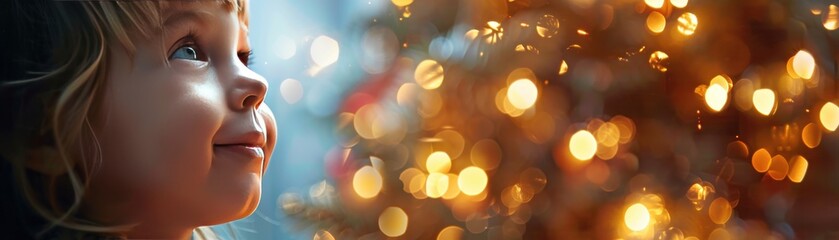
248	89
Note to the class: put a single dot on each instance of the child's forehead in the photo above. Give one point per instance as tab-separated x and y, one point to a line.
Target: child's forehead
169	9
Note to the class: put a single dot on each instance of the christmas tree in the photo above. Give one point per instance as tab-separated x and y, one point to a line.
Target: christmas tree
580	119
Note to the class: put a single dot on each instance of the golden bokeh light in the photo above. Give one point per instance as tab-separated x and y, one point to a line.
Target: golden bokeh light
608	134
716	97
658	60
829	116
626	127
764	101
436	185
803	64
472	180
402	3
406	176
363	121
637	217
452	142
393	222
429	74
656	22
367	182
583	145
761	160
779	168
407	94
719	211
494	25
439	162
324	51
719	234
723	80
798	169
450	233
697	194
502	102
522	93
563	68
811	135
323	235
679	3
687	23
547	26
830	20
654	3
417	184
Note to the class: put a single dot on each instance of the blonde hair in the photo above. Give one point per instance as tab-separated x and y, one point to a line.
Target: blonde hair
70	92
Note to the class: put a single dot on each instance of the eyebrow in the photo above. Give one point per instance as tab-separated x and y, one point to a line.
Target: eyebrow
179	17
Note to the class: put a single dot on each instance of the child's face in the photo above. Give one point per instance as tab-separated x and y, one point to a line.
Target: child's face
185	143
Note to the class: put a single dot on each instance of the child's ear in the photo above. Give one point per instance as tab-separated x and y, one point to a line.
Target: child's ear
45	160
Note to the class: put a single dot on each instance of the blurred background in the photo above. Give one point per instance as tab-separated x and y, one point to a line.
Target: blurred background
304	97
548	119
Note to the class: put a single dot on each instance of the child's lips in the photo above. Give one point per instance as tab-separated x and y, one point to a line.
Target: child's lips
251	152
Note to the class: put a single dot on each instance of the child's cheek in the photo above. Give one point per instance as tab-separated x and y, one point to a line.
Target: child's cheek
186	128
167	120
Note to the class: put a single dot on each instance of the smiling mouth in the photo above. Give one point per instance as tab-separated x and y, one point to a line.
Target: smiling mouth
245	150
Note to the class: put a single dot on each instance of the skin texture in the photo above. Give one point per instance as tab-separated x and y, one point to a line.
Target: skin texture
185	136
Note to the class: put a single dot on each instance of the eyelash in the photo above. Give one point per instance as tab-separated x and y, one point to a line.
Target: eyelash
191	40
246	57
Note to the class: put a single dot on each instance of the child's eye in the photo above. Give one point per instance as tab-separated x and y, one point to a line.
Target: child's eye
188	52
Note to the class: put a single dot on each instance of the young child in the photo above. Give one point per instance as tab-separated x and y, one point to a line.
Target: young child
129	119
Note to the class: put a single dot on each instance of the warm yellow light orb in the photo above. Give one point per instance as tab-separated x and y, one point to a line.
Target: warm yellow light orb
654	3
761	160
656	22
393	222
563	68
323	235
723	81
811	135
803	64
450	233
687	23
438	161
719	211
522	93
779	168
436	184
402	3
829	116
472	180
798	169
679	3
830	19
764	101
715	97
637	217
429	74
367	182
583	145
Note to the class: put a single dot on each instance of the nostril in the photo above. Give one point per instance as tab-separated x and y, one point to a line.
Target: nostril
250	101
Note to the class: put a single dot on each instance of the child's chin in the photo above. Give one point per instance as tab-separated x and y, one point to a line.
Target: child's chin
236	204
231	211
